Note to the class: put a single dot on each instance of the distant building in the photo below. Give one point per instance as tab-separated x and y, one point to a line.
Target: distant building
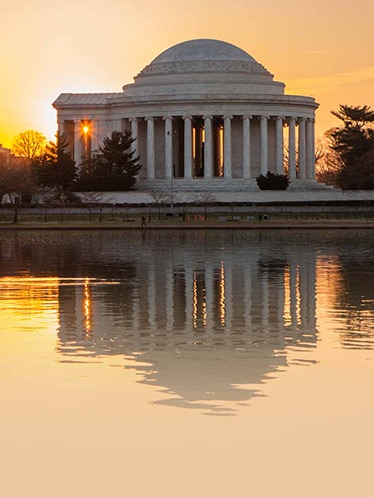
204	113
5	151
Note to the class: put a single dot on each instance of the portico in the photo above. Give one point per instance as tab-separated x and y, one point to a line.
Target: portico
205	113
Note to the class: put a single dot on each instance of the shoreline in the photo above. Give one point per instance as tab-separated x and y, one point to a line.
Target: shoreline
190	225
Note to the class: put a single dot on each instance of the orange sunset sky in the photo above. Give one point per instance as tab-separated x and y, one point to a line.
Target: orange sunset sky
318	48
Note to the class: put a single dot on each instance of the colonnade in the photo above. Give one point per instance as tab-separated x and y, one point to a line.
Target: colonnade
202	145
210	146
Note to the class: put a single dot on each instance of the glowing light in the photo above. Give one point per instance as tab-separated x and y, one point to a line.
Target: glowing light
222	295
86	129
87	308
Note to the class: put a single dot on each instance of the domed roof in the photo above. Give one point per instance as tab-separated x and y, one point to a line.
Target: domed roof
203	55
203	49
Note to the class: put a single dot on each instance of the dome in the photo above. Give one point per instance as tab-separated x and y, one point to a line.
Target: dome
203	55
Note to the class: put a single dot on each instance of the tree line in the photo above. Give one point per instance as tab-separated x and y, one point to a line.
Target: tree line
37	165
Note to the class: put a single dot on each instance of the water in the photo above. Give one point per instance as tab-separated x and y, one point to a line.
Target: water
170	363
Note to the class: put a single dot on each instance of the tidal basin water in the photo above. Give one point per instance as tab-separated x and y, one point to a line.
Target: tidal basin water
171	363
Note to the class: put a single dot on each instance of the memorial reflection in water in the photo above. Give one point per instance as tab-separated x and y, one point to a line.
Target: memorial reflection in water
207	316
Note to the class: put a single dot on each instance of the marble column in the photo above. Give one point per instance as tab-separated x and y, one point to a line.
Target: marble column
227	164
264	144
208	147
150	148
279	156
168	147
291	149
187	147
302	149
134	134
310	153
247	146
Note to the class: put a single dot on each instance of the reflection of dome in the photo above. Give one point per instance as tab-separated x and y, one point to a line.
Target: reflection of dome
203	56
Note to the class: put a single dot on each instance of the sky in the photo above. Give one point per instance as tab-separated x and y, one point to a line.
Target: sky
47	47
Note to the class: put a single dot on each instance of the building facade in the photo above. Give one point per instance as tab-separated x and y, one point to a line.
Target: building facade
205	114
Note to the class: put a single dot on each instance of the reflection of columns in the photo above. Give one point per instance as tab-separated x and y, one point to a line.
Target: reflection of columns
279	145
228	294
265	300
150	148
188	274
152	297
303	288
187	147
293	293
264	144
208	149
311	283
247	296
134	134
227	167
168	147
310	154
246	146
209	296
169	297
291	149
302	150
280	303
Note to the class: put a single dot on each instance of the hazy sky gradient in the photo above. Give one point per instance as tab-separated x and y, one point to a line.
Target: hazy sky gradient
318	48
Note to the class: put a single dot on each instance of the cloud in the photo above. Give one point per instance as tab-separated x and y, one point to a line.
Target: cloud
324	50
320	84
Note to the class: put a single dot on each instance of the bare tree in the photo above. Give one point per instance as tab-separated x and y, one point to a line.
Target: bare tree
15	181
205	199
30	144
160	199
93	200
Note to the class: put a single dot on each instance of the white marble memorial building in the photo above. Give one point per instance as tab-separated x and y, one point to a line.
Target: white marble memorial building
204	114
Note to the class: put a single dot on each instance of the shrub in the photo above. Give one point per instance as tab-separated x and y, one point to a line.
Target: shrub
273	181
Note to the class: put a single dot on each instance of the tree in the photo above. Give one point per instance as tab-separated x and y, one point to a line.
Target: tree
29	144
273	181
204	199
114	166
160	199
55	168
15	178
352	144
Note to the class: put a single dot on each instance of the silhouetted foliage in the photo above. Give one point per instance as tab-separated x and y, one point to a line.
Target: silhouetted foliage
55	168
353	146
273	181
15	178
29	144
113	166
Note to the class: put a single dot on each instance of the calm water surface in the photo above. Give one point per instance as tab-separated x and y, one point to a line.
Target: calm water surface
170	363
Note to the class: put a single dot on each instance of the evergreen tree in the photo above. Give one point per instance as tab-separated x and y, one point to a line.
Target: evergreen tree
113	166
55	168
353	144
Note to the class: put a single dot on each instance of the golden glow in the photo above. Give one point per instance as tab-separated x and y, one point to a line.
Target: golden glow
87	307
86	129
194	302
29	304
325	63
222	293
287	296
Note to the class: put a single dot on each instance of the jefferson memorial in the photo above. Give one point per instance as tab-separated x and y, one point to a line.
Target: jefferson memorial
205	115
